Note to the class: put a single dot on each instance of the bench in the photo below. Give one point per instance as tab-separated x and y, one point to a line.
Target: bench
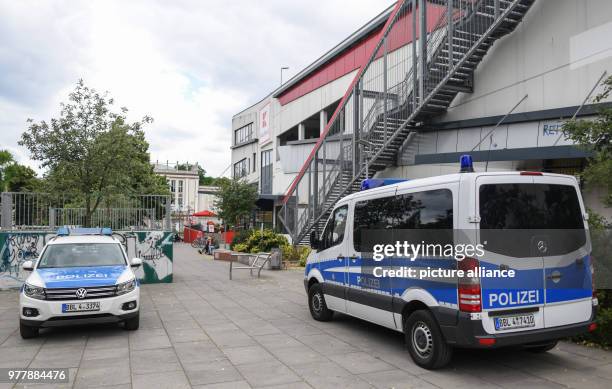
260	260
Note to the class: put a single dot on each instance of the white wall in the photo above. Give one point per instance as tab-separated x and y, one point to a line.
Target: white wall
555	56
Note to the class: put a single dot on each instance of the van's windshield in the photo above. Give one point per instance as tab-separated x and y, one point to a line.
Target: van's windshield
514	217
81	254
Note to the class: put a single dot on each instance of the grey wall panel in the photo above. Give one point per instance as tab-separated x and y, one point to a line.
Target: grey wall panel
447	141
468	138
522	135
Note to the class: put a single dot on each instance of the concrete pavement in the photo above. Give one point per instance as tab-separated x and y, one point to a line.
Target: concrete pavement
208	332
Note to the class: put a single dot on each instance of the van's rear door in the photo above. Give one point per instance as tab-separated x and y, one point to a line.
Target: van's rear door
505	212
567	252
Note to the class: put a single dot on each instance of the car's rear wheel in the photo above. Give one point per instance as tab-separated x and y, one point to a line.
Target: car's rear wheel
541	347
425	342
317	305
28	332
132	323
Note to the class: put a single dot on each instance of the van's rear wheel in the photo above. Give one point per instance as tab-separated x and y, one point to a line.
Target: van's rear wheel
541	348
425	342
317	305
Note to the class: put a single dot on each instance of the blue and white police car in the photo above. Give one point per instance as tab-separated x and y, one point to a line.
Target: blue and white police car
82	276
532	225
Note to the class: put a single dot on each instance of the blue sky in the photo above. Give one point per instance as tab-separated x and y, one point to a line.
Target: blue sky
190	64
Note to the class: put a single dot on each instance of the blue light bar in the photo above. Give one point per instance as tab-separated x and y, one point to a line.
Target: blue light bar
65	231
371	183
467	166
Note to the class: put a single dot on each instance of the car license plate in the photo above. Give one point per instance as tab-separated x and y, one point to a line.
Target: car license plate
518	321
81	307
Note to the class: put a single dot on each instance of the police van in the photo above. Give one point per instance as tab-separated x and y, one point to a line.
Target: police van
519	217
82	276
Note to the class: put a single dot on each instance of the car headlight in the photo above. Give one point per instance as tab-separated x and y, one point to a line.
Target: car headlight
126	287
34	292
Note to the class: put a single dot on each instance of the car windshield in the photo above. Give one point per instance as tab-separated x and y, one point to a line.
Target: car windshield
81	254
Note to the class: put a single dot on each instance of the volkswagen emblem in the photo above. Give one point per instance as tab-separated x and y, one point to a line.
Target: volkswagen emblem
81	293
542	247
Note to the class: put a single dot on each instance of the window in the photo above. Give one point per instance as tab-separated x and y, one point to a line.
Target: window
254	161
266	172
513	217
241	168
426	210
334	230
81	255
243	134
172	186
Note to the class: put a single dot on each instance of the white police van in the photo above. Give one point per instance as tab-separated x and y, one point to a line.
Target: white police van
550	297
82	276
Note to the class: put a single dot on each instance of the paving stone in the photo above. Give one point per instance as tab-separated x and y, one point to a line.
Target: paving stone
155	360
165	380
268	373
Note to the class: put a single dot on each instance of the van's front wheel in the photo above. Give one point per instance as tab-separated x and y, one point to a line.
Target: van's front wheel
317	305
425	342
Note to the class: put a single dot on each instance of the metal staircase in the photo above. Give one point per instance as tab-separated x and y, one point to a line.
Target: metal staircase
401	87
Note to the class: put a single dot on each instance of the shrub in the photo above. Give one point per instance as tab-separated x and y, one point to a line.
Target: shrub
260	241
241	248
297	254
603	334
240	237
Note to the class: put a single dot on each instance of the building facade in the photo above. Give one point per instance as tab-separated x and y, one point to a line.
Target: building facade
183	181
525	87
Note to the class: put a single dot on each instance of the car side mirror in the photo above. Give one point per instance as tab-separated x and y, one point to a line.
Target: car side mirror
314	240
136	262
27	266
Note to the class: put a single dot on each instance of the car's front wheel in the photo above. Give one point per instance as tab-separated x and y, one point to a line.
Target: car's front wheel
27	332
317	305
132	323
425	342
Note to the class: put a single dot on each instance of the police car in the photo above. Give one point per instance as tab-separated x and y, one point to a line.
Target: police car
530	224
82	276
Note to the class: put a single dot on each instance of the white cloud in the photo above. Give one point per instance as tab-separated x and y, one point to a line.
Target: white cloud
189	64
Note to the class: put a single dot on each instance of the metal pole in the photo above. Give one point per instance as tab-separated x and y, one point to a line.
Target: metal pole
449	22
7	211
499	122
422	47
583	103
385	70
168	214
356	125
414	55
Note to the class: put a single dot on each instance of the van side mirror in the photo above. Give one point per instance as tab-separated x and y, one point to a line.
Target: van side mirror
136	262
314	240
27	266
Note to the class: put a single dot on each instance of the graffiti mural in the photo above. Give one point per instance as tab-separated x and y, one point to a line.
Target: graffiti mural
153	247
16	248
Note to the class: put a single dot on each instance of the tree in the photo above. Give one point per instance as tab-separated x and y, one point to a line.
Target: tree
204	179
596	135
15	177
91	152
235	200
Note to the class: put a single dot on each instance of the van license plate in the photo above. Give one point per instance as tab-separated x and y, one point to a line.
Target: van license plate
81	307
518	321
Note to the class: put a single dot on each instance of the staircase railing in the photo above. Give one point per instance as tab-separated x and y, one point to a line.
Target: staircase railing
388	97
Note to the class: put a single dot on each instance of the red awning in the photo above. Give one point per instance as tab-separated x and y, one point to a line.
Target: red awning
204	213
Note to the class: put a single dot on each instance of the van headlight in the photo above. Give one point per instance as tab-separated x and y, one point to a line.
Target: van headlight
35	292
126	287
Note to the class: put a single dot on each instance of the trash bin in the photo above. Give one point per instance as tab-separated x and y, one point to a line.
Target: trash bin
276	258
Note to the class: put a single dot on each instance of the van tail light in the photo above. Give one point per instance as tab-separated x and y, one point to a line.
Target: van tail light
531	174
592	268
469	287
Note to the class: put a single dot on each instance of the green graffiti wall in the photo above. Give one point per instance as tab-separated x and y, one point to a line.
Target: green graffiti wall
153	247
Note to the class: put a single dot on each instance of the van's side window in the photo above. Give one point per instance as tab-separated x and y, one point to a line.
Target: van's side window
334	231
432	209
